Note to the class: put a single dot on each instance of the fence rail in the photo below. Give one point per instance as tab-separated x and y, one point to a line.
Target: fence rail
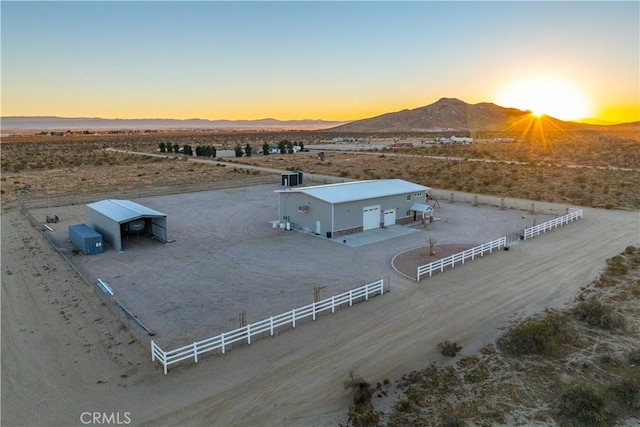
460	257
554	223
221	342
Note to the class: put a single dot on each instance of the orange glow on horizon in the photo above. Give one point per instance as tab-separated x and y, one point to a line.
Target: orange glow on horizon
317	110
546	95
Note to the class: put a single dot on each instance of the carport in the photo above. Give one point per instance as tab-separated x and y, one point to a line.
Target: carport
421	208
112	217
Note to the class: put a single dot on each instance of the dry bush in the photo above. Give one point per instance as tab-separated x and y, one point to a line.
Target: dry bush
596	314
627	391
616	266
361	413
538	336
634	356
449	349
582	405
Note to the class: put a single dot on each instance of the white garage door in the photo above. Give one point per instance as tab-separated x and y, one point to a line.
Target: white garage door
371	217
389	217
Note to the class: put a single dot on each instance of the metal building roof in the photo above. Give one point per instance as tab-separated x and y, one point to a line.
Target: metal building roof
124	210
359	190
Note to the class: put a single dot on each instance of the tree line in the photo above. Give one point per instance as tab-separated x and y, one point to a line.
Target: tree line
284	146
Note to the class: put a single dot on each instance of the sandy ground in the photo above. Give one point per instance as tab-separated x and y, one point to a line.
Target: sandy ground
63	353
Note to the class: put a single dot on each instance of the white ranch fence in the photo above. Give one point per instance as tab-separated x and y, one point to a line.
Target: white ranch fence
554	223
528	233
270	325
460	257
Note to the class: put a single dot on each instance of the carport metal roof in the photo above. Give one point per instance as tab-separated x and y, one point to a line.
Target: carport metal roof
359	190
124	210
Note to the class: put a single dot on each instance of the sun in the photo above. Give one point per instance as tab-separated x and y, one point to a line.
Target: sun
546	96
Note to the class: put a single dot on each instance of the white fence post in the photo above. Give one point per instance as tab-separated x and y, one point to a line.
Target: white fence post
249	333
293	318
222	342
195	351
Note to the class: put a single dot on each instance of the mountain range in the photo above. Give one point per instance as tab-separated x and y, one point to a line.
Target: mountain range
444	115
22	123
454	115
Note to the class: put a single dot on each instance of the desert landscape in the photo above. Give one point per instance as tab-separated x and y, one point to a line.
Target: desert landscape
473	260
59	341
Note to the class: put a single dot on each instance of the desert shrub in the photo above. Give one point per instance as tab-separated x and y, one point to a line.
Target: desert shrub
361	413
630	250
627	391
582	405
634	356
616	266
597	314
544	336
449	349
452	422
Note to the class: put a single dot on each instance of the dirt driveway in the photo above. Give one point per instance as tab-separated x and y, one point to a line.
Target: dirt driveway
63	355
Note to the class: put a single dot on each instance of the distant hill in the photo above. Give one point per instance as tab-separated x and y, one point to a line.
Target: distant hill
21	123
454	115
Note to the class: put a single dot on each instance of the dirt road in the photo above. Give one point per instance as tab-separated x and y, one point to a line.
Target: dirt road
64	355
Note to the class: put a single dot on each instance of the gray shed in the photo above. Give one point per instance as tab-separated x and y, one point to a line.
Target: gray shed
113	218
350	207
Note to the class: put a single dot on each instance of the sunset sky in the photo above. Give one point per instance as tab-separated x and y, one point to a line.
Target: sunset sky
317	60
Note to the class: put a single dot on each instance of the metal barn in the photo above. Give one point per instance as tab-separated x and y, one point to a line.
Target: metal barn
114	218
350	207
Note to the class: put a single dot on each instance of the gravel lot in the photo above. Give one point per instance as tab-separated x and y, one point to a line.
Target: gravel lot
225	258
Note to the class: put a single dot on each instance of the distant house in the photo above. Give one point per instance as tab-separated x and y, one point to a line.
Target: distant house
343	139
350	207
462	139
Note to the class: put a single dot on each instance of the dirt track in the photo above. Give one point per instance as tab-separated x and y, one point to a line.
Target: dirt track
63	354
